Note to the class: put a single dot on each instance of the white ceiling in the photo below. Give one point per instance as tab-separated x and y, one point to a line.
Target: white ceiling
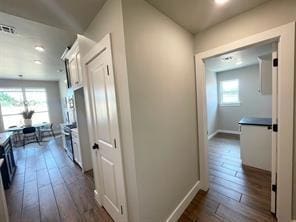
197	15
73	15
17	53
242	58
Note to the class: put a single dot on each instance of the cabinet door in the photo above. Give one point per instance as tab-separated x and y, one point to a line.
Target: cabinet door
76	149
73	71
265	75
79	68
9	160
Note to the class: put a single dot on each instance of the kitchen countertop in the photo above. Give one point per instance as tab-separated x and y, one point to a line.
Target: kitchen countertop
4	137
252	121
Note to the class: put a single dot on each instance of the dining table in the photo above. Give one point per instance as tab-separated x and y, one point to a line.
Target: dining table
18	130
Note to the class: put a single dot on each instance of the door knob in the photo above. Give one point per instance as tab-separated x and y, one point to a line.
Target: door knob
95	146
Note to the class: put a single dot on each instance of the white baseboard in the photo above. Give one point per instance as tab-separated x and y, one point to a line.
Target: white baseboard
229	131
212	135
97	198
224	131
177	213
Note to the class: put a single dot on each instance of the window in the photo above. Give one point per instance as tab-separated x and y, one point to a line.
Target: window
36	99
229	92
15	100
12	104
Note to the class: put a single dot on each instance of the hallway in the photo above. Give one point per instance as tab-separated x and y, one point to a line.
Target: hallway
48	186
236	193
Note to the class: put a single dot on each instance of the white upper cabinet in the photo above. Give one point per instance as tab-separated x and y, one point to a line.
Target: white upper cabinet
74	57
75	71
265	74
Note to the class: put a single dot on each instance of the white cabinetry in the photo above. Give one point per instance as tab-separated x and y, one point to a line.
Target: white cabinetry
80	136
76	147
255	147
74	57
265	74
76	77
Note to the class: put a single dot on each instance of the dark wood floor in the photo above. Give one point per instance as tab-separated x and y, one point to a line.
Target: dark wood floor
49	187
236	193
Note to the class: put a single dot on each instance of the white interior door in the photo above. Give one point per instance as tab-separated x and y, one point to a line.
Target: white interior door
274	130
106	135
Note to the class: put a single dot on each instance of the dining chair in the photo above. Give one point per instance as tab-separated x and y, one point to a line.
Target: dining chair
48	129
30	133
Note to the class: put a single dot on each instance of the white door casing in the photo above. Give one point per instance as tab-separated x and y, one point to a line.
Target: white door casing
105	128
285	36
274	132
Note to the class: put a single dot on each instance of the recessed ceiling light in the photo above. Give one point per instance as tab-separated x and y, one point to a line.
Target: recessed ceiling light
221	2
38	62
39	48
239	63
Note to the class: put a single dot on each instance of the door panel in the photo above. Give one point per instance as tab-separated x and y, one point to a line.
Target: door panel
101	105
108	169
106	131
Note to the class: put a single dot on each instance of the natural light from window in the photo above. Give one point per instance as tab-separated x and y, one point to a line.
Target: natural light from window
13	101
229	92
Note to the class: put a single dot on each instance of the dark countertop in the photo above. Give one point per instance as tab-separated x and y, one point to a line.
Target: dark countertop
256	121
4	137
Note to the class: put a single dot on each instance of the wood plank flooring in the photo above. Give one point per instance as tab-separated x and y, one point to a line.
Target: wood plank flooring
237	193
48	186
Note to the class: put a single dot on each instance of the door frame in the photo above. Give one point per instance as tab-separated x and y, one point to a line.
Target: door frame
105	46
285	35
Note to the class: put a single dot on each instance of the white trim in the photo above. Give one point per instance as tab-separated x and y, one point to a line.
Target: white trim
177	213
229	132
285	35
97	198
230	104
213	134
223	131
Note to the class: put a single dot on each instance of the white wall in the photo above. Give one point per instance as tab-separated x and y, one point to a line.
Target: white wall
212	101
162	94
253	104
110	20
157	49
53	96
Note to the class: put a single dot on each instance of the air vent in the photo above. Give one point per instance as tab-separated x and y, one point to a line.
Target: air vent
227	58
7	29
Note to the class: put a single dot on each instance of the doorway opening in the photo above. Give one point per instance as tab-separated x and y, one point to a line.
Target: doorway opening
240	98
285	36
